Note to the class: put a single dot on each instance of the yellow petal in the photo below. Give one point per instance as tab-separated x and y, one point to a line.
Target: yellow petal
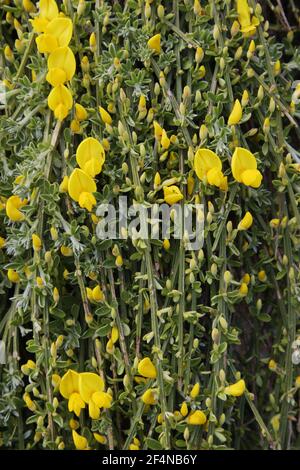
97	294
93	167
147	369
242	160
56	77
80	112
94	410
89	383
60	95
76	403
165	141
63	59
197	418
48	9
158	130
252	178
69	383
63	187
87	200
13	204
80	182
80	442
237	389
99	438
195	390
46	43
172	194
154	43
61	112
102	399
204	161
215	177
13	276
243	11
89	149
246	221
39	24
105	116
149	397
236	114
61	29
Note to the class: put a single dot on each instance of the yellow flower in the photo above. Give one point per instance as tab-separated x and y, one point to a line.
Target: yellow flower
248	24
80	182
60	101
90	156
297	381
87	200
205	160
36	242
165	141
97	294
13	276
208	167
272	364
195	390
243	290
99	438
262	276
149	397
105	116
66	250
158	130
274	223
237	389
147	369
172	194
89	383
246	278
184	409
236	114
80	442
48	9
246	222
63	187
61	66
69	389
46	43
55	295
40	282
61	29
154	43
244	168
2	242
13	204
39	24
80	112
197	418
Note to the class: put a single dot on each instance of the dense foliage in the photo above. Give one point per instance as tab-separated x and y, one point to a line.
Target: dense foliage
143	343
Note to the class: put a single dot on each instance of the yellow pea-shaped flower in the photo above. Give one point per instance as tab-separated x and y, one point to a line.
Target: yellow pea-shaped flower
80	182
61	66
172	194
147	369
237	389
244	168
154	43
